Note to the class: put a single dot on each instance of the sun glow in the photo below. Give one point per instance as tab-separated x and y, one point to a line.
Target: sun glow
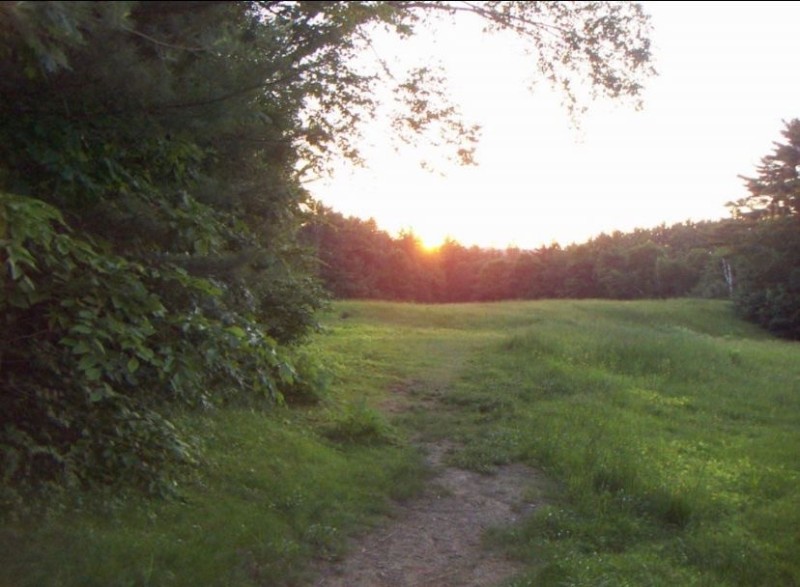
715	108
430	247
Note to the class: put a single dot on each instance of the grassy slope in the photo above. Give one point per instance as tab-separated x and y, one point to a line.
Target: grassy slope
671	428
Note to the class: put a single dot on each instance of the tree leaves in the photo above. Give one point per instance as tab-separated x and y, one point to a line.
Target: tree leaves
90	326
766	259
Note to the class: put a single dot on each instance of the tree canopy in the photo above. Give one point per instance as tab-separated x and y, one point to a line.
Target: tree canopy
151	156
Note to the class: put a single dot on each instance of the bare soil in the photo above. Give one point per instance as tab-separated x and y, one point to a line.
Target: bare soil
436	540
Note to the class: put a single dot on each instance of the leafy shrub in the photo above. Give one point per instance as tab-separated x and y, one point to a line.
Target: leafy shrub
147	255
90	354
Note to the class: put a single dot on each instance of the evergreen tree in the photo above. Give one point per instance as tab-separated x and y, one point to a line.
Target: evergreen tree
775	192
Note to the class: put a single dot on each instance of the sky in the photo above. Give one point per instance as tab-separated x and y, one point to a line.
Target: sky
727	79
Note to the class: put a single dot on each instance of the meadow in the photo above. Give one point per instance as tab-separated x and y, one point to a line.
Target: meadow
669	431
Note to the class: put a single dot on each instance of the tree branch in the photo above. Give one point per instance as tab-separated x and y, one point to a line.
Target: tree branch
162	43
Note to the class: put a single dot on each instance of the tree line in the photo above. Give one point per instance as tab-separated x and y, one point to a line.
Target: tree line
752	258
358	260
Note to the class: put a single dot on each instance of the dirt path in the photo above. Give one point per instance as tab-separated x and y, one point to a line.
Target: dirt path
436	540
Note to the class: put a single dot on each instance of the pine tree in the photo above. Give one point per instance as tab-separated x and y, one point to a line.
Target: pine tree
775	192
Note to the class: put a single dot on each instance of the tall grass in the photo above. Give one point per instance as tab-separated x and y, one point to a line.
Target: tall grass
674	430
276	490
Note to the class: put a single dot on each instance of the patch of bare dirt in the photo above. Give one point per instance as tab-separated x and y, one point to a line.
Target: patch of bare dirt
436	540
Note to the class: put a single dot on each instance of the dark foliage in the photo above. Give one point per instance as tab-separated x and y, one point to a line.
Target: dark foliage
143	267
768	255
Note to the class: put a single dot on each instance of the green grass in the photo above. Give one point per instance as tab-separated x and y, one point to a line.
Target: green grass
673	429
271	496
669	429
275	490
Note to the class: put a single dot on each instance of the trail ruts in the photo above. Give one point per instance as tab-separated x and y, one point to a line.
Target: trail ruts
436	540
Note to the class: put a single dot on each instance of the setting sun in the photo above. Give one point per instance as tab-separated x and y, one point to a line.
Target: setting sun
430	247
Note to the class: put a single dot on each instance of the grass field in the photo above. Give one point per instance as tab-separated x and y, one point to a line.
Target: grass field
670	431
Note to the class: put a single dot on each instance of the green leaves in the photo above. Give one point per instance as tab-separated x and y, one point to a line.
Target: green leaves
147	263
95	346
237	332
765	271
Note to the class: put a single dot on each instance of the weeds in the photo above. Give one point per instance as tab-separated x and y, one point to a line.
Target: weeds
360	424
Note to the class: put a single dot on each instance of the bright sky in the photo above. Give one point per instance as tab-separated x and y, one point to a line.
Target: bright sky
727	79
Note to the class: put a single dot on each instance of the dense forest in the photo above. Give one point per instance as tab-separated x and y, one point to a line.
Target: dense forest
155	232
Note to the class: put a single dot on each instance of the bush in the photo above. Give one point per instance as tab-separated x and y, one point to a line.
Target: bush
90	355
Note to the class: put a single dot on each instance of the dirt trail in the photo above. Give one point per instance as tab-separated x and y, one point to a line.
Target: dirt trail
436	539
